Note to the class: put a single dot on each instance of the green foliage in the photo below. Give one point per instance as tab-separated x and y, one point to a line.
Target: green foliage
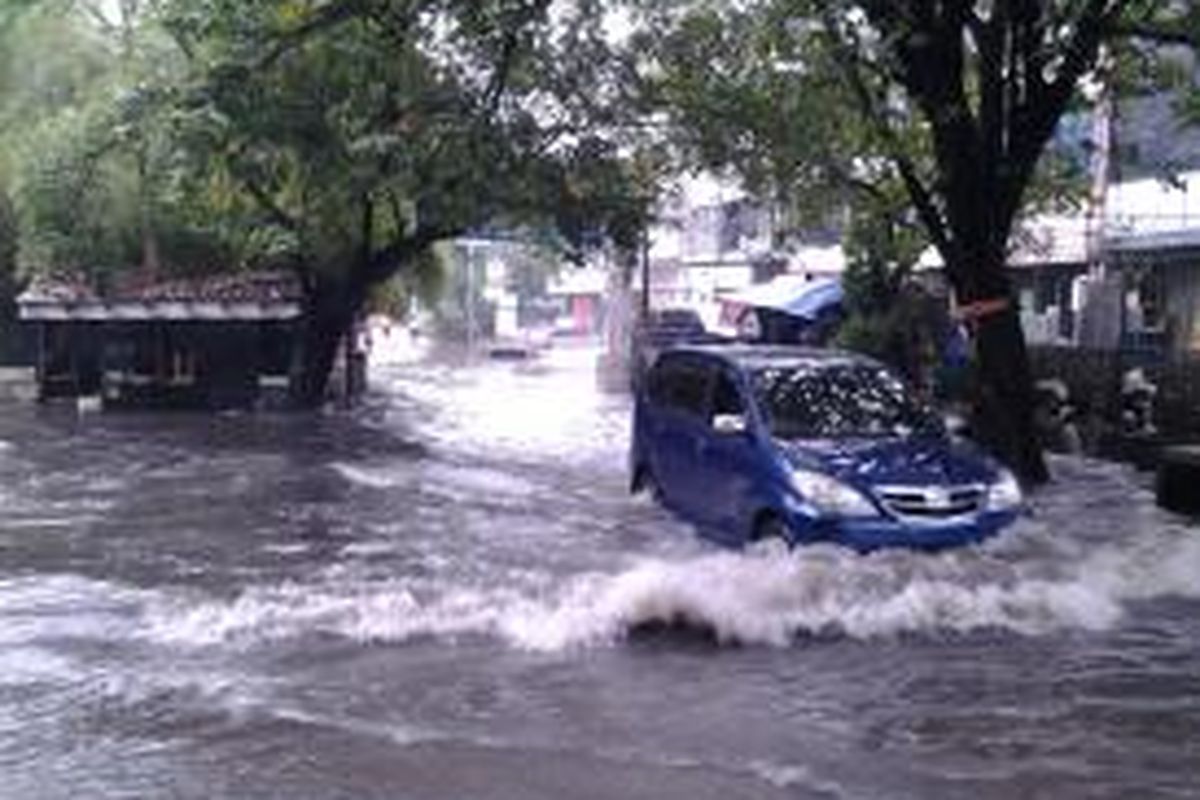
423	283
365	132
815	101
9	280
872	335
343	138
889	317
824	101
95	169
745	87
883	242
78	209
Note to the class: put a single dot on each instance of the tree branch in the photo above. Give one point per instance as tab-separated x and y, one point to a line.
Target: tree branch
107	26
1049	99
927	210
1152	33
992	101
273	210
329	16
1046	101
922	198
384	263
508	52
844	177
394	24
275	213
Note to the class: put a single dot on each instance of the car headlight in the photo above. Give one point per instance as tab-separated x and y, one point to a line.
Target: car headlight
1005	493
831	496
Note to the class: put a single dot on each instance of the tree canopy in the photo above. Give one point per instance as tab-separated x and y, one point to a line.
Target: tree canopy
344	138
361	133
955	102
339	139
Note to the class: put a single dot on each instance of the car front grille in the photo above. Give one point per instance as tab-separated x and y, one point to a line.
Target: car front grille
932	502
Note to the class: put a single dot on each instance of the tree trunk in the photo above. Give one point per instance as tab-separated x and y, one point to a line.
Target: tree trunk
332	304
331	307
1003	402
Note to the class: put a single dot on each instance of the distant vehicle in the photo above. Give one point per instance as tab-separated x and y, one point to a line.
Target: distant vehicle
530	343
787	311
754	442
665	328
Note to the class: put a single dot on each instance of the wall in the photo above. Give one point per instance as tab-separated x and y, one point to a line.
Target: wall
1093	378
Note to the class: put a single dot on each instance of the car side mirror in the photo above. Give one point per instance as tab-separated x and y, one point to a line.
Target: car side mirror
729	424
958	426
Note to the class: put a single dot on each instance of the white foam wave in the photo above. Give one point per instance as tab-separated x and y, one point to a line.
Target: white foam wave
1095	544
765	598
794	777
57	606
371	477
388	611
21	665
464	480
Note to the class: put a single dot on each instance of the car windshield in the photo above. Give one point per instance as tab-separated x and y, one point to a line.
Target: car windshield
838	401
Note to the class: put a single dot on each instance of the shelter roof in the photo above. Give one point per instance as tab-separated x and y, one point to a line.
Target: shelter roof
260	295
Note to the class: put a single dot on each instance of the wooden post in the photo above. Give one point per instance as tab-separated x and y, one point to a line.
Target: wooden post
41	362
1175	485
348	370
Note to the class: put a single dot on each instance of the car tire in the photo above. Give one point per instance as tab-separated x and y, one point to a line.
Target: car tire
644	481
770	531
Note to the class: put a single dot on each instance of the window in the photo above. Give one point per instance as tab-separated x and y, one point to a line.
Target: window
679	385
726	398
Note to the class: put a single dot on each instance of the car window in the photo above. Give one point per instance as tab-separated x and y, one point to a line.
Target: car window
726	398
676	318
838	401
658	383
679	385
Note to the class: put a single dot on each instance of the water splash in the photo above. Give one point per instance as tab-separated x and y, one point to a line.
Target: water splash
756	598
1094	544
66	606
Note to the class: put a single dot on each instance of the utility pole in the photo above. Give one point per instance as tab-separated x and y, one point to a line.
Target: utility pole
645	269
470	300
1100	163
1102	307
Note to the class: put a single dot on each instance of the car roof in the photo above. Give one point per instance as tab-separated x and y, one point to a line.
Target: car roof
760	356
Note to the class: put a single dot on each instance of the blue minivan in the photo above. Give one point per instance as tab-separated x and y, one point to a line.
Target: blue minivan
754	442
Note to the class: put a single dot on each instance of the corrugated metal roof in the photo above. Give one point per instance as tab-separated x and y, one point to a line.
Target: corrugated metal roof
243	287
245	295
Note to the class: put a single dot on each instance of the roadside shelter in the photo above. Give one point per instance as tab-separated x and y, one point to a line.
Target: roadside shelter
216	342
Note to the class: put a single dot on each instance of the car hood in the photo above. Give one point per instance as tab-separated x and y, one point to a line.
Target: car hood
907	461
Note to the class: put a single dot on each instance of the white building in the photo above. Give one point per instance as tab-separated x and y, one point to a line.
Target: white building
713	240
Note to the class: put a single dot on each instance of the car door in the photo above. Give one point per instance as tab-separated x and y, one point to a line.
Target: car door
677	429
728	456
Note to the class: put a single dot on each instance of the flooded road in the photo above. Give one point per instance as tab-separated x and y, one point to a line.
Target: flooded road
451	595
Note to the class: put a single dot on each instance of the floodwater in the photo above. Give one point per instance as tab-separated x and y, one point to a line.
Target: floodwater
449	594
